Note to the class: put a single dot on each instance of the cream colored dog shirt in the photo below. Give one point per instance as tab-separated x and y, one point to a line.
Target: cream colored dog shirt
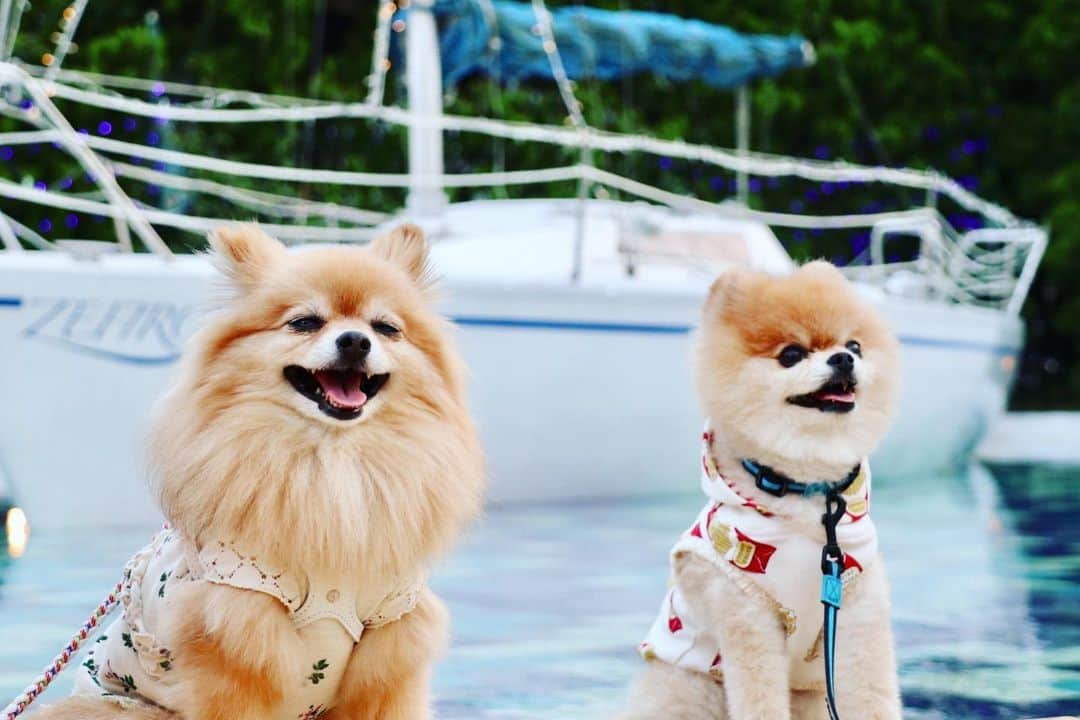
127	661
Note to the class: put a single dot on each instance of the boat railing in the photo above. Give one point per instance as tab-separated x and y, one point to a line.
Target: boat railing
992	267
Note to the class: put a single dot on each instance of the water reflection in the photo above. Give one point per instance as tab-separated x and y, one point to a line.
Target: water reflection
549	601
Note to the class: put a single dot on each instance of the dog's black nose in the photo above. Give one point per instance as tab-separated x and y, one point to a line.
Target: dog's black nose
842	361
353	346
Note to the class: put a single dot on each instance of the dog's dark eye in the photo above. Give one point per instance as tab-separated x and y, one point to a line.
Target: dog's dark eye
792	355
854	347
307	323
384	328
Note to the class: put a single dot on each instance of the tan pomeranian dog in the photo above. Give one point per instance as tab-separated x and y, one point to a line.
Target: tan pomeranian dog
313	459
798	376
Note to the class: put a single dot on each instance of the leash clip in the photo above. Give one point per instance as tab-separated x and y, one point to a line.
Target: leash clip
831	554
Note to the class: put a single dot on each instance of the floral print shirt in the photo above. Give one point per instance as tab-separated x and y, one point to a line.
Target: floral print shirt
128	661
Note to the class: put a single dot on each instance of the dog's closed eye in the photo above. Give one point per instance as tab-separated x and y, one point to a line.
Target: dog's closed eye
307	323
385	328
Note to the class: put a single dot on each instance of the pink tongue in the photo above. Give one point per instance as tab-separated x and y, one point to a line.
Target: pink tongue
848	397
342	388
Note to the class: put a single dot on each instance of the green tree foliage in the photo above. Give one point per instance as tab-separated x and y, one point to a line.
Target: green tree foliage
988	92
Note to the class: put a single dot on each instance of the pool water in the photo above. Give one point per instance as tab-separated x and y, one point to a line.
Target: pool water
550	601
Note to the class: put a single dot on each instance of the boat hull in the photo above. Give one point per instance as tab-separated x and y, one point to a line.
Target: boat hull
578	391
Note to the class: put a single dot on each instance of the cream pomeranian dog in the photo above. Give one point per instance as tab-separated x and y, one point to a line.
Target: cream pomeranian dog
798	377
313	458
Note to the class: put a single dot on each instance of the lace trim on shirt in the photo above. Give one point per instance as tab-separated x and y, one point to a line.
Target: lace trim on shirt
154	658
223	563
226	564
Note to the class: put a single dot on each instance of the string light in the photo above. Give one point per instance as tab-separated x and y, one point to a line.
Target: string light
68	22
18	531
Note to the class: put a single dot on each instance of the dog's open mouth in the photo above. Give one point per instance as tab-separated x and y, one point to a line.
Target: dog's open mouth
340	393
836	396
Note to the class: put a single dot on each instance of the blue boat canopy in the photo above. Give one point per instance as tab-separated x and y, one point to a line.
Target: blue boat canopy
498	38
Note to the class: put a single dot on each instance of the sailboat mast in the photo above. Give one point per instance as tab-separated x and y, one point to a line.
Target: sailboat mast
423	75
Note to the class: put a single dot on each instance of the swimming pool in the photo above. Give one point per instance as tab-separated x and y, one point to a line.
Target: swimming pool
550	601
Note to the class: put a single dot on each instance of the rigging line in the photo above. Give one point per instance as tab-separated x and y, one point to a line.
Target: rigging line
558	70
573	106
30	236
77	146
7	235
10	28
306	150
190	223
63	45
847	86
675	200
5	15
276	172
380	54
535	176
104	81
495	96
259	201
754	162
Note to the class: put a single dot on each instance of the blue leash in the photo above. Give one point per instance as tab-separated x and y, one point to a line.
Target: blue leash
832	557
832	591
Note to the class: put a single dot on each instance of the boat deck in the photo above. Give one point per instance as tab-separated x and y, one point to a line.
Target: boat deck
532	242
549	601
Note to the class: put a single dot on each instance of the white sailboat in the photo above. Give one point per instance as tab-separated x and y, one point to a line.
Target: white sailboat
574	314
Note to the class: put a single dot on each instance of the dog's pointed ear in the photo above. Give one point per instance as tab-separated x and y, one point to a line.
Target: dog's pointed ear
724	290
407	247
244	253
821	269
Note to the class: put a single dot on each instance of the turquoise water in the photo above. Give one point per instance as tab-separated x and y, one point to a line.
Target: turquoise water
549	601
